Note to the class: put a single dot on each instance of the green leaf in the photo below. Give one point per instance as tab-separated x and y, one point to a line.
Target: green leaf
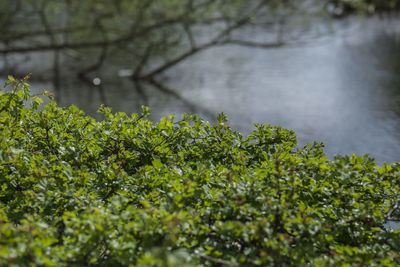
157	164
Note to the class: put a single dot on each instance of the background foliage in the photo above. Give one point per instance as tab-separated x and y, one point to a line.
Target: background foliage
125	190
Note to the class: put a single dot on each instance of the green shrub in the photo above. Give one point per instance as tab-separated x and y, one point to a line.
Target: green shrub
128	191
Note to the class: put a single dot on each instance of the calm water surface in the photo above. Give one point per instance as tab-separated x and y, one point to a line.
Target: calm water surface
343	90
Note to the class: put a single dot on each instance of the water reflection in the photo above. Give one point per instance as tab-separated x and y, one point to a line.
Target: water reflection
345	92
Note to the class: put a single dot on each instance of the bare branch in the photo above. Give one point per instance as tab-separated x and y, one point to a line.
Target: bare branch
216	260
255	44
220	39
38	33
189	34
388	216
127	38
176	60
143	61
103	53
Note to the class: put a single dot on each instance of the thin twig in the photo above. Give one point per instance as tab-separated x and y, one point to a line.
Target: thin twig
389	214
216	260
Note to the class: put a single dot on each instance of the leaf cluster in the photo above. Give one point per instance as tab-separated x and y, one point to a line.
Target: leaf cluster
129	191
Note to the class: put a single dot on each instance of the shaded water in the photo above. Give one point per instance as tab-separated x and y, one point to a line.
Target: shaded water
343	91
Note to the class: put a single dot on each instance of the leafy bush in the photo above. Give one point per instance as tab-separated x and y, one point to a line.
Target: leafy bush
128	191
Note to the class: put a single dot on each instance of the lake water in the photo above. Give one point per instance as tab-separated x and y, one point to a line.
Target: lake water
343	90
